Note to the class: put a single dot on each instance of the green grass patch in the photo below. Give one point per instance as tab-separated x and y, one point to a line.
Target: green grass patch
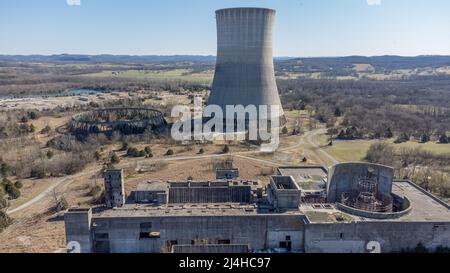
355	150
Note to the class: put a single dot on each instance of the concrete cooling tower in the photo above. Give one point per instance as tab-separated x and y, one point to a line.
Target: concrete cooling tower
244	70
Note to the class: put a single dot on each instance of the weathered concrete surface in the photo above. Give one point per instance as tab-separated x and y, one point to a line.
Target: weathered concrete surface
244	70
257	231
344	178
392	236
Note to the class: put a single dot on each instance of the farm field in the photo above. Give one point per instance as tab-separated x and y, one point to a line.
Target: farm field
355	150
204	77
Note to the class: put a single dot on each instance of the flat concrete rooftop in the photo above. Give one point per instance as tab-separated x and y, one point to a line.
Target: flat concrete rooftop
425	207
171	210
152	186
309	178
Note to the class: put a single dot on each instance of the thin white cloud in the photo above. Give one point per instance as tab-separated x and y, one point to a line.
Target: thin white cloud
73	2
373	2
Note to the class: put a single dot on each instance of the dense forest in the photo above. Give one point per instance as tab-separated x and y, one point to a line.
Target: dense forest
418	108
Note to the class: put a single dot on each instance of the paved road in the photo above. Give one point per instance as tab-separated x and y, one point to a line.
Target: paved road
308	138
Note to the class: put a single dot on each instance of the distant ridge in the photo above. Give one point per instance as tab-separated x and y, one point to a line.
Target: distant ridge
312	63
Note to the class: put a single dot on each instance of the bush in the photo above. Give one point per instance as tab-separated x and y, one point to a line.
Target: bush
201	151
402	138
50	154
14	193
32	115
3	202
443	139
132	152
115	159
61	204
169	152
47	129
97	155
37	173
125	146
190	178
5	169
284	131
18	185
226	149
148	150
5	221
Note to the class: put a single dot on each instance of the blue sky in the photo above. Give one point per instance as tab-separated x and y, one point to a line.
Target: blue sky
145	27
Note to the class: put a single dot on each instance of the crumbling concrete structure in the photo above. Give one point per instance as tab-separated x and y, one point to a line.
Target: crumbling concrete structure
279	219
114	188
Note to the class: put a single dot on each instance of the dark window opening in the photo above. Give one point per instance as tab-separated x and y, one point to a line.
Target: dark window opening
288	238
103	236
286	245
341	235
224	242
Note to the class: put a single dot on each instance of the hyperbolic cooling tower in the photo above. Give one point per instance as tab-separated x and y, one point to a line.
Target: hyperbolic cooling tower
244	70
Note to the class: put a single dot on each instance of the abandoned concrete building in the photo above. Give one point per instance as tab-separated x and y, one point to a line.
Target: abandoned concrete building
353	207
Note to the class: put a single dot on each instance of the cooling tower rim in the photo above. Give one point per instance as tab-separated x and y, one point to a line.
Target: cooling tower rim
268	10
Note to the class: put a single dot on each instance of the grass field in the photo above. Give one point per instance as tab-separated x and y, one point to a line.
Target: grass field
176	74
356	150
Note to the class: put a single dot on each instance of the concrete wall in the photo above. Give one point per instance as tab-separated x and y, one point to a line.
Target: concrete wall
77	223
257	231
244	71
344	178
392	236
210	249
159	197
287	197
114	188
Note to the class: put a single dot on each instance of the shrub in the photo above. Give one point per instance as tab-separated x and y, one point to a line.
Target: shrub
18	185
132	152
50	154
61	204
4	169
32	115
402	138
97	155
14	193
37	173
169	152
5	221
201	151
443	139
125	146
284	131
148	150
3	202
47	129
115	158
226	149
